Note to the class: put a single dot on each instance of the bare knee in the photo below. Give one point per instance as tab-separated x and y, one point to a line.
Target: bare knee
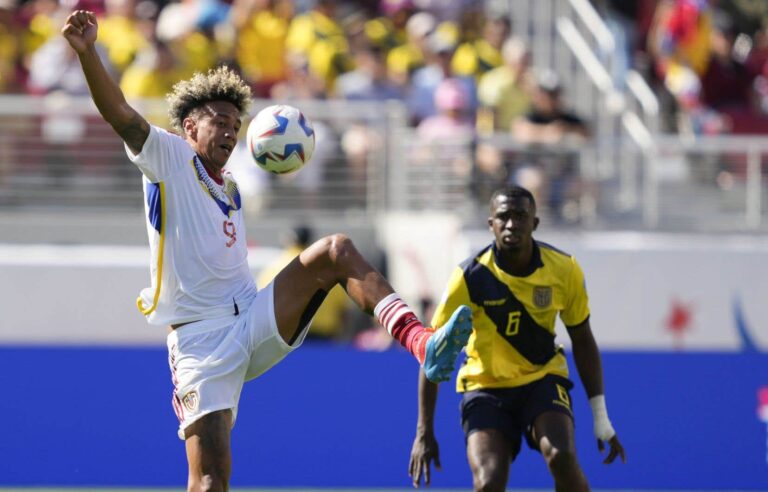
561	463
336	255
338	247
489	483
490	476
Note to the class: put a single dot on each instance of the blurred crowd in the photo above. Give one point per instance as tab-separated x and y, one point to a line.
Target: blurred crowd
709	55
459	66
706	59
362	50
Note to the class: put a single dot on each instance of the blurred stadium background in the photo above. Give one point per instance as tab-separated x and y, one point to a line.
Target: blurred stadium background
655	178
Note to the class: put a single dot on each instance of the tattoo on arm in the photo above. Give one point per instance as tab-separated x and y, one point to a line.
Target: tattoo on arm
134	133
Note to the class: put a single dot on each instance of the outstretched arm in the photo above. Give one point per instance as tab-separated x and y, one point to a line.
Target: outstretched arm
80	30
587	358
425	448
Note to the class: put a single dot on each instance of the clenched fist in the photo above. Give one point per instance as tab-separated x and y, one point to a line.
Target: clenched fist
80	30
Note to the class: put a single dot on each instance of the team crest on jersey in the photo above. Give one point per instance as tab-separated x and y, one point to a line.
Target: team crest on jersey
191	401
542	296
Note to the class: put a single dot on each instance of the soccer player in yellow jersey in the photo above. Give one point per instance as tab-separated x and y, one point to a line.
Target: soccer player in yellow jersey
515	379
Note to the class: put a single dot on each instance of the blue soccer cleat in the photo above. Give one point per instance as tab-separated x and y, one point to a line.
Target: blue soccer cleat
445	344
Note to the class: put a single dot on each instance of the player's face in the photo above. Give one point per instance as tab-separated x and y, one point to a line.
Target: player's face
512	221
214	132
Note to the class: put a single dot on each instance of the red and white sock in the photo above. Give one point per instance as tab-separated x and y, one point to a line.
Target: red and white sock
403	325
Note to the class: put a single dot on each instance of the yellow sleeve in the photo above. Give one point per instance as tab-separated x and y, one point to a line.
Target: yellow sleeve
577	309
455	294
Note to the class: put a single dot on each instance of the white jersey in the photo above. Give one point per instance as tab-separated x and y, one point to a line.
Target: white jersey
196	232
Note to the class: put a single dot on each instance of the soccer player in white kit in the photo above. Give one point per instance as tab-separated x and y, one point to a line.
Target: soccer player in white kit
222	331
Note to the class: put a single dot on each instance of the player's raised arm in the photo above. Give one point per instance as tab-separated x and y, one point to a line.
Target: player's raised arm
81	30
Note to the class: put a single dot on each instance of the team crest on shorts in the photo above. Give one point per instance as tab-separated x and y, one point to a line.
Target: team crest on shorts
191	401
542	296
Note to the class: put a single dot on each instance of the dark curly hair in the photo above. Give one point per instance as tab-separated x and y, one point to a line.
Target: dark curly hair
219	84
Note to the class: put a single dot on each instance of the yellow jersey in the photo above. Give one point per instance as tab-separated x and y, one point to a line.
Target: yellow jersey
513	337
475	58
122	38
322	40
382	32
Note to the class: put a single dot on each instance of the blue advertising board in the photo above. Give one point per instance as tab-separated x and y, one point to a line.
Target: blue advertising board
331	416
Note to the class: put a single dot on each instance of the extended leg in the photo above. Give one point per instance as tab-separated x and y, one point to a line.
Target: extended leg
335	260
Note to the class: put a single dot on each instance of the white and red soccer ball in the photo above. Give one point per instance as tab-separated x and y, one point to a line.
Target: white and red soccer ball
280	139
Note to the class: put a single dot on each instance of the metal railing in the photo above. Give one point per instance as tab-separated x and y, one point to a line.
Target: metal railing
712	184
580	47
56	151
731	171
535	22
369	161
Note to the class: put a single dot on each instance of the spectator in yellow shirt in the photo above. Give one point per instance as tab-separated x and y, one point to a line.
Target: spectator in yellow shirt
475	57
261	28
388	30
318	36
505	92
120	34
41	24
406	59
181	26
9	48
153	73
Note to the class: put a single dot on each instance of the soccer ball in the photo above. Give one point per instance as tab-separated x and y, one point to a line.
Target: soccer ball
280	139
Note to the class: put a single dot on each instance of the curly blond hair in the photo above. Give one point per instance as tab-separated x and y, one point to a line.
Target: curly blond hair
219	84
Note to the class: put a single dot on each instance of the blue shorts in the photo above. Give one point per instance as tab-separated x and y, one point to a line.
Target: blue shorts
514	410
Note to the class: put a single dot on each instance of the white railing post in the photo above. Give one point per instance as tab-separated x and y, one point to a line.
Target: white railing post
628	198
651	190
646	98
595	24
542	41
608	101
643	138
754	189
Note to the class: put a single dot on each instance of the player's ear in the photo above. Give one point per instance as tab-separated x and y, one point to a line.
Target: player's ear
490	223
535	223
190	127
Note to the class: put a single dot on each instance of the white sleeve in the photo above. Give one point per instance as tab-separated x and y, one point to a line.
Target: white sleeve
162	155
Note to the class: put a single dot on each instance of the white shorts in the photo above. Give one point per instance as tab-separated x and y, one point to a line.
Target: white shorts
211	359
